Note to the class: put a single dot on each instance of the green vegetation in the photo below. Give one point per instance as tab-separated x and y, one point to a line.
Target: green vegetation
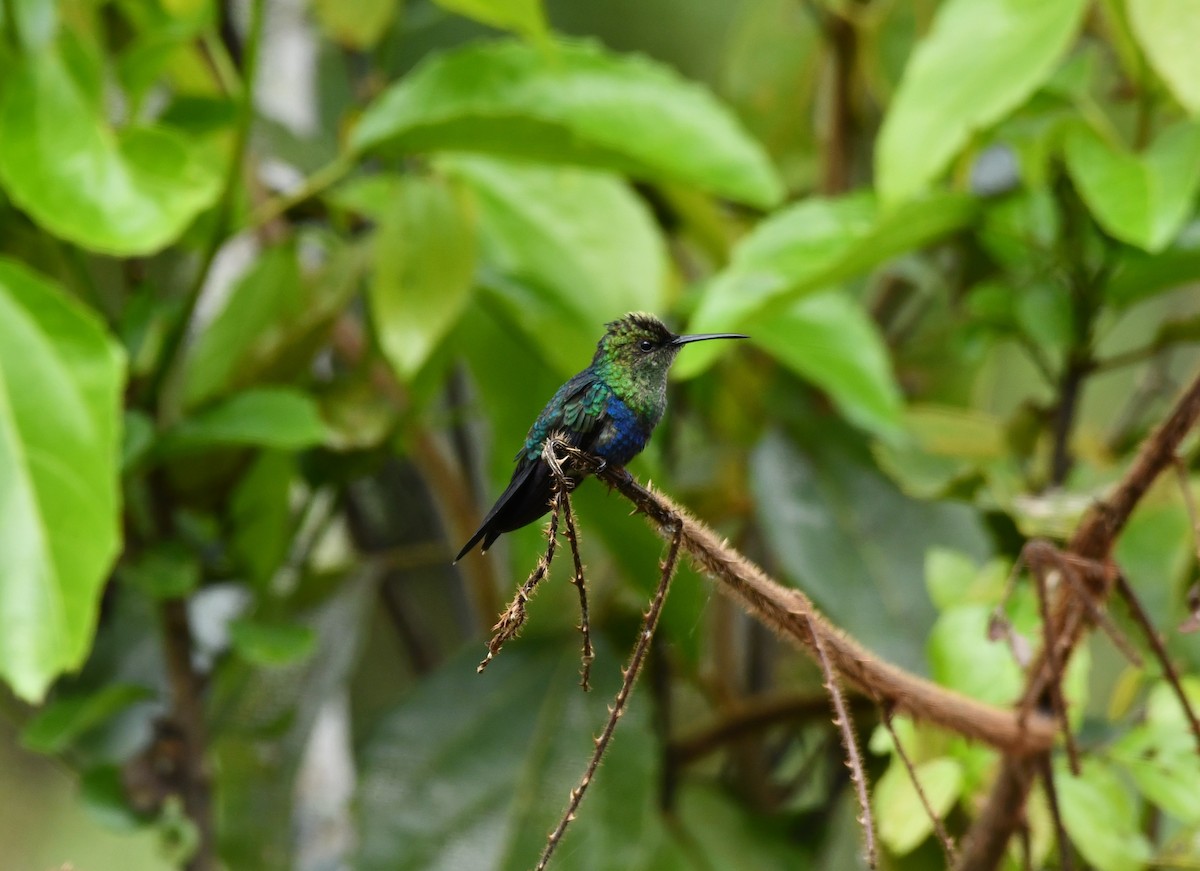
283	285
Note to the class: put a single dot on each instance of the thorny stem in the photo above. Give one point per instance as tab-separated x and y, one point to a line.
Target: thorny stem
939	827
1055	677
1060	830
629	677
588	654
841	719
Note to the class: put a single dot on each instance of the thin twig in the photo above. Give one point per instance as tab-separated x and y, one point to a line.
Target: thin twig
562	500
513	618
939	827
1060	830
1160	653
1055	678
841	719
1098	616
629	677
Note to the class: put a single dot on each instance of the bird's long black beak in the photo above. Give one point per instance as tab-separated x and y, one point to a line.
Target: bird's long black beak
704	337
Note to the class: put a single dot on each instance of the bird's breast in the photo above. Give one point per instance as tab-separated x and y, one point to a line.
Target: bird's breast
623	434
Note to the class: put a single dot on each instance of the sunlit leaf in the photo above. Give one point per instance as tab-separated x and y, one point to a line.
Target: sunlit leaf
61	378
576	104
520	16
981	60
359	24
1101	817
1169	31
121	192
903	821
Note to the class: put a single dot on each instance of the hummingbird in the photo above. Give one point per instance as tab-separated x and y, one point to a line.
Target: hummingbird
608	410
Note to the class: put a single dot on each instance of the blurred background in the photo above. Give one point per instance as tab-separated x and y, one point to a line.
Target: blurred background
283	285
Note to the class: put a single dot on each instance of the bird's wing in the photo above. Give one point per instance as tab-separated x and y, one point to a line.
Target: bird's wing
576	409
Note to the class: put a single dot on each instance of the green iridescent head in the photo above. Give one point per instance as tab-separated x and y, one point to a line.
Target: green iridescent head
638	349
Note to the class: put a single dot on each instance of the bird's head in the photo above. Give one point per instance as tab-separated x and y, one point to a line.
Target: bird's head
640	344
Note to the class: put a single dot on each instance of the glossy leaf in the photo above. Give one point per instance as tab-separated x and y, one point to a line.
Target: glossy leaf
61	379
471	771
131	191
576	249
829	340
1168	32
280	417
576	104
1141	199
423	270
980	60
520	16
811	246
852	541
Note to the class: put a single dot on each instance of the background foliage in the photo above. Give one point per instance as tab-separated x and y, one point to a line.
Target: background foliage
282	285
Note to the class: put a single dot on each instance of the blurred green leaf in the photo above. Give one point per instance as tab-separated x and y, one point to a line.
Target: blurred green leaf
357	25
424	255
60	722
520	16
272	644
61	379
1163	764
277	417
576	104
261	515
851	540
1169	31
578	247
962	657
1141	199
1101	817
472	771
811	246
832	342
981	60
131	191
165	570
903	820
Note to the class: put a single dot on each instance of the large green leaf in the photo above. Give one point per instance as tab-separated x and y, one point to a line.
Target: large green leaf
831	341
980	61
845	535
1141	199
123	192
575	248
903	821
1169	31
812	246
424	267
473	770
575	103
61	378
1101	817
283	418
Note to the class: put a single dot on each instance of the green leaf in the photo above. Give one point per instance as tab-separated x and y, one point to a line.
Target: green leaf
811	246
845	535
280	417
261	516
495	755
520	16
1139	276
1141	199
576	249
831	341
1101	817
167	570
962	657
903	821
61	380
575	104
123	192
981	60
1168	32
424	268
62	721
358	25
272	644
1164	765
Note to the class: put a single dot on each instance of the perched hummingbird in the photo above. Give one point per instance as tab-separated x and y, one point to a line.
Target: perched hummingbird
607	410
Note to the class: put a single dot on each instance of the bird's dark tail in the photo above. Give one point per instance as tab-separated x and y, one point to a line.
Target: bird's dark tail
526	498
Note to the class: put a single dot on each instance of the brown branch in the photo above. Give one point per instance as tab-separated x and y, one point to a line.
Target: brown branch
629	677
841	719
984	846
793	617
188	716
563	496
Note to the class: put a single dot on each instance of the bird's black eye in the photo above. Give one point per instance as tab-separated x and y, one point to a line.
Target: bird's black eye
646	345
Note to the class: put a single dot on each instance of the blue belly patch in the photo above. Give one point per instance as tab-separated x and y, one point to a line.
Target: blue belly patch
622	437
